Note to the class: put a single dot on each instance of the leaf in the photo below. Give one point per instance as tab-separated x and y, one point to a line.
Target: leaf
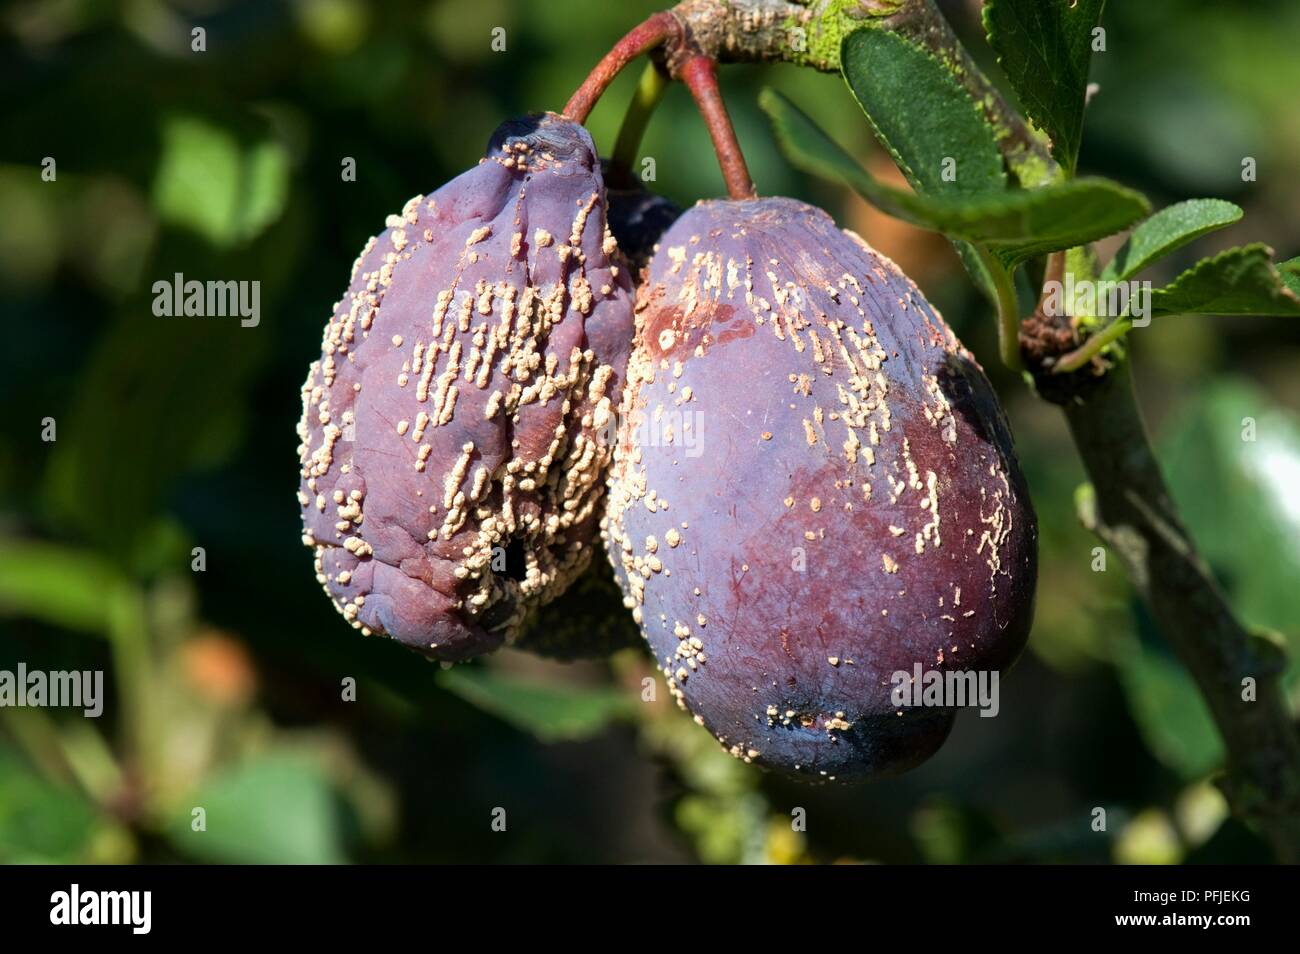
265	188
722	828
1045	47
1232	460
41	822
808	148
185	397
551	713
1070	214
58	585
948	832
197	181
978	270
277	808
931	126
1240	281
1168	709
1167	230
207	183
1015	223
1290	272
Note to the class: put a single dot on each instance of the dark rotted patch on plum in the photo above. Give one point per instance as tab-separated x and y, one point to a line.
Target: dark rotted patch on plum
829	499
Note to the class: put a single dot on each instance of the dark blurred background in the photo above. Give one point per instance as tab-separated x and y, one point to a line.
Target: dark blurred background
226	687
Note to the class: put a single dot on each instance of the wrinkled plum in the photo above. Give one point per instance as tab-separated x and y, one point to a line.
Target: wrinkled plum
814	488
454	438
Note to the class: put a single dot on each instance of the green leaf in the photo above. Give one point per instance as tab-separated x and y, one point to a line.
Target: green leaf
1232	460
809	148
1067	215
725	830
277	808
948	831
552	713
1290	272
1169	229
1167	706
931	126
265	188
979	272
207	183
62	586
189	364
1240	281
197	182
1016	224
40	822
1045	47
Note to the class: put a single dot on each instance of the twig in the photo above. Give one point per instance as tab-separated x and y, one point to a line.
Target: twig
1134	515
1093	346
684	60
809	32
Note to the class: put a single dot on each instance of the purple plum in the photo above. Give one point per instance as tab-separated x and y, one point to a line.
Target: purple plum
814	489
455	434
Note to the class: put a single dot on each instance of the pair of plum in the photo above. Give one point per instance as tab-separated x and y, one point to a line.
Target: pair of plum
803	482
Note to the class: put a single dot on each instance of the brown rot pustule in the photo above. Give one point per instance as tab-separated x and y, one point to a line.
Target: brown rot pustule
454	438
814	488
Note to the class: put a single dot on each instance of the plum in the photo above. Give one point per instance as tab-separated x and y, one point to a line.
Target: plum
455	434
813	488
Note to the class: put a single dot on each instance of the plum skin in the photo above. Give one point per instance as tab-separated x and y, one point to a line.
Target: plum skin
814	487
453	444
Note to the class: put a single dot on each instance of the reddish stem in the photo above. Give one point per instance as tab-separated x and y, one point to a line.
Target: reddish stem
700	74
653	33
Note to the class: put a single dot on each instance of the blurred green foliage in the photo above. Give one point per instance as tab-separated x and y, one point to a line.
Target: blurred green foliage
227	687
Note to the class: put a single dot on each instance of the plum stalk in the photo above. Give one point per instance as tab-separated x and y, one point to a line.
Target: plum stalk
646	36
649	91
700	74
686	62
